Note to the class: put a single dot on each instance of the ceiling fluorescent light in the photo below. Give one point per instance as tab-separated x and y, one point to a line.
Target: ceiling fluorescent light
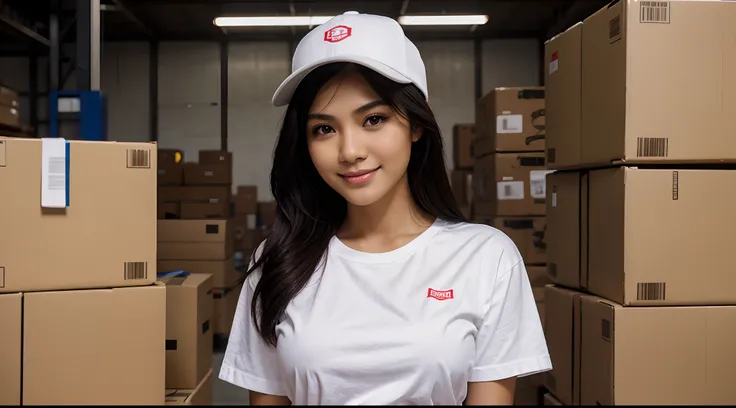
284	21
443	20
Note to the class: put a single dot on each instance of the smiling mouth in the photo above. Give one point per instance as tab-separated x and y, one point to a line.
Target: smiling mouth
358	177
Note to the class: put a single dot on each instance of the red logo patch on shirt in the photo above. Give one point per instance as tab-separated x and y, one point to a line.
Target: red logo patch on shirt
338	33
440	294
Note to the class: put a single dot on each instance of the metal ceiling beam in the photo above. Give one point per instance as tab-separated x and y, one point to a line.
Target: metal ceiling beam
132	17
19	28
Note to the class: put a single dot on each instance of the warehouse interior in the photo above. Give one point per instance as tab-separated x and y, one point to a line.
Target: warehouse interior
626	147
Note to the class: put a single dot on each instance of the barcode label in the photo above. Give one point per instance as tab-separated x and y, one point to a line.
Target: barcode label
510	190
139	158
538	183
654	12
509	124
135	270
652	146
675	185
614	29
650	291
54	158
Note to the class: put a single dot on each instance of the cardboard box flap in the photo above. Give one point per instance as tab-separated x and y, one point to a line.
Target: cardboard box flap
190	280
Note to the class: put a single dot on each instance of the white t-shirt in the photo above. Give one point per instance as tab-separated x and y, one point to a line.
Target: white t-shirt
411	326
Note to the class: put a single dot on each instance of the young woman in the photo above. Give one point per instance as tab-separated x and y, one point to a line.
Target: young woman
371	287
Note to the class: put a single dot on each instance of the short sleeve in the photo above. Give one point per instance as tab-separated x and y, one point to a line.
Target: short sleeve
510	342
249	362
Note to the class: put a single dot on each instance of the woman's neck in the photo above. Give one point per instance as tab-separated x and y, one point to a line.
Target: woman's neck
394	215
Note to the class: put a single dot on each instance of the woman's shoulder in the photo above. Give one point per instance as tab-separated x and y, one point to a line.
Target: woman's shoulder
483	240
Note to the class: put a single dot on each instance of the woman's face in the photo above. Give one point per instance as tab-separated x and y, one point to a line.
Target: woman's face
359	146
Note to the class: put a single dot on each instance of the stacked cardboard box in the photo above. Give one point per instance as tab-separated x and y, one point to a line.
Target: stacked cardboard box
462	173
82	319
640	214
247	234
188	338
509	185
9	108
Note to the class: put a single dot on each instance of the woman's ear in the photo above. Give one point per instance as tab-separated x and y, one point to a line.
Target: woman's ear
416	133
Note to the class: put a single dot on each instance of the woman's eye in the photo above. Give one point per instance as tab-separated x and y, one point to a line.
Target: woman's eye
374	120
322	130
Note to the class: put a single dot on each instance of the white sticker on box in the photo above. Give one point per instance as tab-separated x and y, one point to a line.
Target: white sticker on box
554	66
554	199
510	190
538	183
509	124
53	173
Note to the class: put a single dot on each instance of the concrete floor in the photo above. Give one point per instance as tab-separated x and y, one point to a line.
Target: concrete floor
225	393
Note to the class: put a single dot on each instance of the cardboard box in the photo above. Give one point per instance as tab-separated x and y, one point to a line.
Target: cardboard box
656	355
510	184
223	272
195	240
655	74
566	235
216	157
510	120
195	194
105	348
527	392
9	97
247	239
661	237
562	311
266	213
461	182
529	236
170	157
563	93
103	234
462	140
196	174
194	211
169	211
246	200
189	316
170	174
226	301
550	400
202	395
9	116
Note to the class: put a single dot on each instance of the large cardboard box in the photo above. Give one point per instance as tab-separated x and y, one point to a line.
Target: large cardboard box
195	240
189	306
662	237
223	272
510	120
195	194
9	116
197	211
656	355
563	93
462	140
566	234
202	395
226	301
562	330
9	97
83	347
216	157
510	184
659	82
168	211
528	234
170	174
92	210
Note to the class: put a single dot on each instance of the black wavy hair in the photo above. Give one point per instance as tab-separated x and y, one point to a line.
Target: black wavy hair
309	212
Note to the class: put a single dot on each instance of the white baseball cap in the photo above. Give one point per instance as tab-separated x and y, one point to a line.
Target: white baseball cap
376	42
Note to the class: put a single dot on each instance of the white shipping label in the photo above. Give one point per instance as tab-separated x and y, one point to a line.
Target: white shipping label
53	173
554	199
538	183
553	66
509	124
510	190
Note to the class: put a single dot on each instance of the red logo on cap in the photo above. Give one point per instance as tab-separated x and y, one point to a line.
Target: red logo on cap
338	33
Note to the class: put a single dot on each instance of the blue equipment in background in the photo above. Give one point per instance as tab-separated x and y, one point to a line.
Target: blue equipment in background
88	108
